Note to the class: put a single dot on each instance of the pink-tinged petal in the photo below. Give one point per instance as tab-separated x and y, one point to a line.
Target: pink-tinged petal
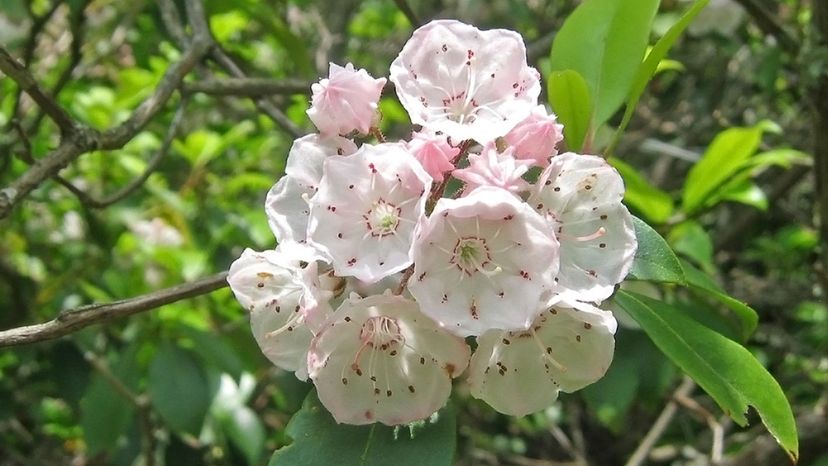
536	138
364	215
433	152
581	197
493	168
467	83
286	205
269	285
566	349
380	360
484	261
345	101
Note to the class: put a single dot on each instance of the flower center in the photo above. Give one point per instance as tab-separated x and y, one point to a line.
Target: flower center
380	332
383	218
471	254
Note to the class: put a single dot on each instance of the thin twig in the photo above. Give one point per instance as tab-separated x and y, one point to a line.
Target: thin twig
660	425
770	25
70	321
715	427
79	139
99	203
140	402
248	87
20	75
408	12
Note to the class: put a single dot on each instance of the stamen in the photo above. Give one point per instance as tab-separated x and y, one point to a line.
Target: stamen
599	233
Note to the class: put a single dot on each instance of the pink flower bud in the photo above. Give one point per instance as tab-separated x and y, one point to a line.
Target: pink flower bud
434	153
345	101
536	137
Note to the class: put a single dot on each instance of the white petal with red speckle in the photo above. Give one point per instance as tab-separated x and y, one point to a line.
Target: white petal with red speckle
566	349
366	209
581	197
379	359
467	83
484	261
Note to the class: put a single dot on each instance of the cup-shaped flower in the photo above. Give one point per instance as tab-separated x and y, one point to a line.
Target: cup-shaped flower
434	153
484	261
286	205
365	212
345	101
536	137
282	302
581	197
467	83
493	168
521	372
379	359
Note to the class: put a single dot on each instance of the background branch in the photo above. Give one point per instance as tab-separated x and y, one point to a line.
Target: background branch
76	319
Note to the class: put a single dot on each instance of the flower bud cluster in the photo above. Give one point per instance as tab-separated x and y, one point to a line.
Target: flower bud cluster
391	256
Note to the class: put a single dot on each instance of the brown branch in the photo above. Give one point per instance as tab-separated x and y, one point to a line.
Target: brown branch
20	75
248	87
70	321
408	12
133	185
660	425
78	139
770	25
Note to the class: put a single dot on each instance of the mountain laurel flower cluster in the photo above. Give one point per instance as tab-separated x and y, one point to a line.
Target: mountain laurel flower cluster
393	256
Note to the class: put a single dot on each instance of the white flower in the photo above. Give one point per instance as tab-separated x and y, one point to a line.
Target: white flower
366	209
581	197
492	168
287	201
345	101
283	300
468	83
484	261
380	360
521	372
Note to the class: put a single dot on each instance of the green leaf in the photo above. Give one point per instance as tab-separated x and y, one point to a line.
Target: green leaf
725	156
703	283
650	201
785	158
105	413
605	41
319	440
723	368
651	63
692	241
178	388
745	192
245	430
654	260
571	102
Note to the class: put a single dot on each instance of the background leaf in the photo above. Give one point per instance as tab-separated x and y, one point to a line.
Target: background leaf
571	102
645	198
431	444
725	369
605	41
178	388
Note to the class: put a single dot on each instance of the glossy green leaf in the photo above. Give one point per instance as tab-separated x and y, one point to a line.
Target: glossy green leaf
691	240
723	368
703	283
725	157
745	192
178	388
654	260
651	64
319	440
605	41
570	100
785	158
649	201
105	413
246	431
